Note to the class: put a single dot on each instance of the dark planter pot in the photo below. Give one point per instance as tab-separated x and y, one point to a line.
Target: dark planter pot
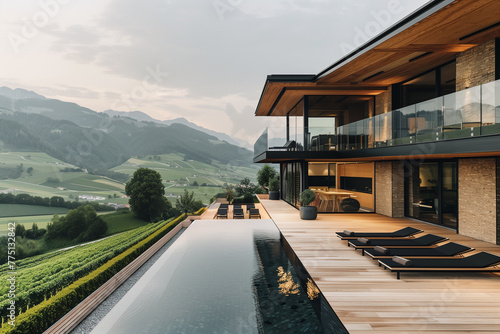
274	195
308	212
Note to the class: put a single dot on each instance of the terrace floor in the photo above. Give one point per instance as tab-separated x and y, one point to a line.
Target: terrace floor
368	299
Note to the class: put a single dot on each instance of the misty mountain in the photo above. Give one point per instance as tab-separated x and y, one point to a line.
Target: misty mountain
140	116
93	140
18	93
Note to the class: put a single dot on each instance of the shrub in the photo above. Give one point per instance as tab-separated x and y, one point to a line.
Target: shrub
307	197
274	184
248	198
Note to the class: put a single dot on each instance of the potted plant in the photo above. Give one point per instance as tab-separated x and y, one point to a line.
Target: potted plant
308	212
274	189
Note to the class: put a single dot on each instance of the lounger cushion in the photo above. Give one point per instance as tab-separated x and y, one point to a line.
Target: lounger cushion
364	241
381	250
402	261
348	233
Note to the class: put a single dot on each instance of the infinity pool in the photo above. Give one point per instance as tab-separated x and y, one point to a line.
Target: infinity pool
223	277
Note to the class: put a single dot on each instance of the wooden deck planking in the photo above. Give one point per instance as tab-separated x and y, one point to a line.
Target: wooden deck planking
369	299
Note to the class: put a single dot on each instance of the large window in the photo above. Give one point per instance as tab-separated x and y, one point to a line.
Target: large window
292	182
431	192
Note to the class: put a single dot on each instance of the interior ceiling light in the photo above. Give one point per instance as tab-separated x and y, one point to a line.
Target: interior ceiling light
420	56
494	25
372	76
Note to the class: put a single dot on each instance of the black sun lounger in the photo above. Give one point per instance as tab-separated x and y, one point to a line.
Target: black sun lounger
423	241
238	213
446	250
480	262
221	213
404	232
254	213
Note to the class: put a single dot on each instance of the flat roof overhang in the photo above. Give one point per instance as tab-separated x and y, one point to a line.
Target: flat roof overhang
484	146
429	37
288	156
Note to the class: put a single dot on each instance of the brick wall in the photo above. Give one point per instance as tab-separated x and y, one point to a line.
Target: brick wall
476	66
383	189
477	198
398	190
389	188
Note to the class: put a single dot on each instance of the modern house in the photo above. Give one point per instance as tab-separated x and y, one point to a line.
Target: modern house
408	124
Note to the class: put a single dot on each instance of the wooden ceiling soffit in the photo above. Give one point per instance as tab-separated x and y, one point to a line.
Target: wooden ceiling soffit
429	48
293	95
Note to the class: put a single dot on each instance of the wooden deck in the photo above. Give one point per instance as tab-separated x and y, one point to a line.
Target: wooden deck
368	299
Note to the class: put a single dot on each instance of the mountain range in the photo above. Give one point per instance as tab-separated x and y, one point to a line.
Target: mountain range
94	140
140	116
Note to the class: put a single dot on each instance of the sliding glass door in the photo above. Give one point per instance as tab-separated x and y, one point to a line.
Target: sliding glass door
431	192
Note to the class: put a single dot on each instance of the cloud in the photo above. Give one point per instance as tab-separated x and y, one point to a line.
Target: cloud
213	62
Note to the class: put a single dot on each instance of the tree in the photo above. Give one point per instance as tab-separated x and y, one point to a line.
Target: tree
20	230
195	184
186	202
265	174
29	170
245	187
80	224
146	193
230	194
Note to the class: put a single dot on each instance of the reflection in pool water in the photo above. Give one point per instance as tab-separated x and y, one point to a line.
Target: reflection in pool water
223	277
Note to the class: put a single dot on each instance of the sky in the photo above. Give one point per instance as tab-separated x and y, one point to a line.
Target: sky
204	60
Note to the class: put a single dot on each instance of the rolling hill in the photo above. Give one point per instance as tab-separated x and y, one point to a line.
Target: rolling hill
92	140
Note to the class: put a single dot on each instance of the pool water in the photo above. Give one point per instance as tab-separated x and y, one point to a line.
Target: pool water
223	277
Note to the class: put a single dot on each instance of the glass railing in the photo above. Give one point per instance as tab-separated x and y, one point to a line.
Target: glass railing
468	113
261	145
274	139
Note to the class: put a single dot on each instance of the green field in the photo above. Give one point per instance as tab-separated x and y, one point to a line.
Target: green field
179	175
27	221
21	210
176	173
122	221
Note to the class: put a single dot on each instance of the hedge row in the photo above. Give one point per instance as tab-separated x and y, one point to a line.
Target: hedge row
42	316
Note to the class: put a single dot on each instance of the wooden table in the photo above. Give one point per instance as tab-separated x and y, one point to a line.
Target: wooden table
333	197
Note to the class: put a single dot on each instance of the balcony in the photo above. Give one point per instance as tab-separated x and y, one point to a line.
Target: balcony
473	112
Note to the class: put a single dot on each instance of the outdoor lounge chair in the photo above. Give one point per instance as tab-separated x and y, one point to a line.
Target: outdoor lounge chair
480	262
291	144
236	206
250	206
222	213
238	213
447	250
223	206
423	241
254	213
404	232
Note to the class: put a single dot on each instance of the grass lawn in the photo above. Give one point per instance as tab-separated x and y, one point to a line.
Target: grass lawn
27	221
21	210
122	221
